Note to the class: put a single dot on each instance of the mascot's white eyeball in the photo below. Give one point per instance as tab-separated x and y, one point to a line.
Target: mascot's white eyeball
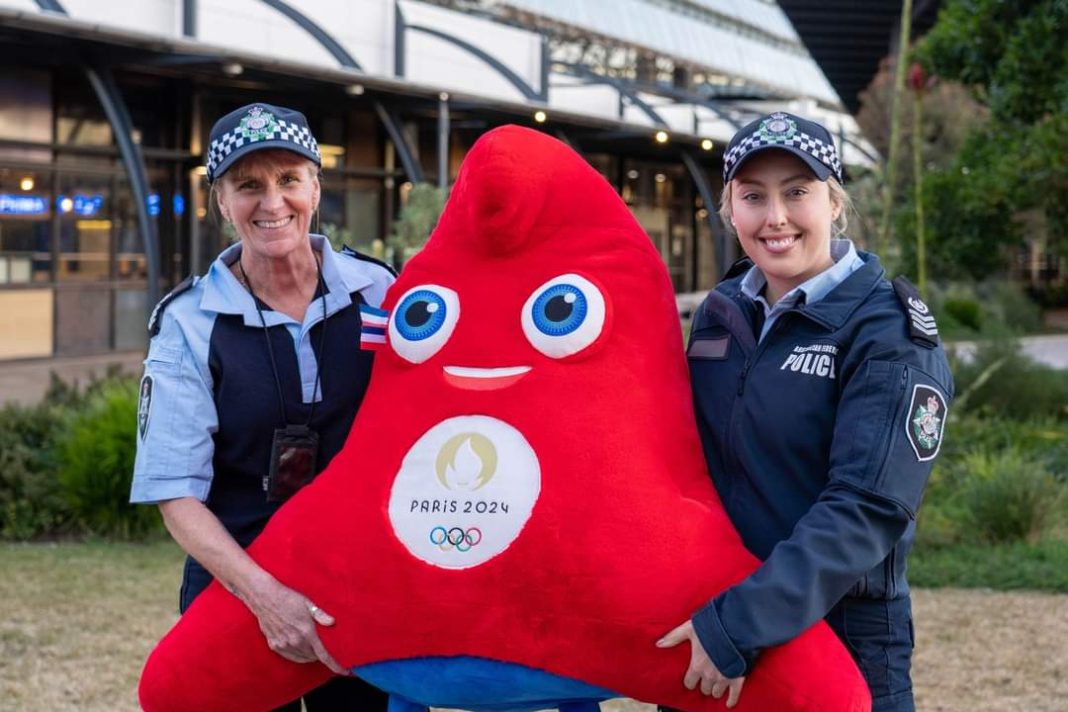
423	321
564	316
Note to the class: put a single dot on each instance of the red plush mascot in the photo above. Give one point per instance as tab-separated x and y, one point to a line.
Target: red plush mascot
522	508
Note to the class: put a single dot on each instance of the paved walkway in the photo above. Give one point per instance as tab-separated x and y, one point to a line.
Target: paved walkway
1051	350
26	381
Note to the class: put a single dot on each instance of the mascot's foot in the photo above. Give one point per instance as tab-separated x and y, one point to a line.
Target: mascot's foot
480	685
399	704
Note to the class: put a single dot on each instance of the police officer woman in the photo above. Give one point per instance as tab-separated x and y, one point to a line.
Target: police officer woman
253	378
820	390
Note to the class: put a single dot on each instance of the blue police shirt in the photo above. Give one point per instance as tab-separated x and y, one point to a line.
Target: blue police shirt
819	439
209	401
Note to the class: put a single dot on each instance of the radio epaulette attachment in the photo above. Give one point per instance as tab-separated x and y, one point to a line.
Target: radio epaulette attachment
157	314
346	250
922	325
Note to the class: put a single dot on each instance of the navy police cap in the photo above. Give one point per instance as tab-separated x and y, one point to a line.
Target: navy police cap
256	127
805	139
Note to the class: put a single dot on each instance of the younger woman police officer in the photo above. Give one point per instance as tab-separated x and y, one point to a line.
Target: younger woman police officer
821	391
262	352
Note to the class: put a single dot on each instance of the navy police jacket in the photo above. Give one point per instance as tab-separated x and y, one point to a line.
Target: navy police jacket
819	440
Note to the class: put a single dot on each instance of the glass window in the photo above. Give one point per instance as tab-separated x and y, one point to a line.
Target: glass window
25	112
25	213
85	227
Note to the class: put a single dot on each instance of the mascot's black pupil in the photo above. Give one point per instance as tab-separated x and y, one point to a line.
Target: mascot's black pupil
558	308
417	314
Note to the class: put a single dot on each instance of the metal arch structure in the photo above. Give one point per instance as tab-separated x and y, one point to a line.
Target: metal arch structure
510	76
312	28
619	85
110	98
388	117
724	258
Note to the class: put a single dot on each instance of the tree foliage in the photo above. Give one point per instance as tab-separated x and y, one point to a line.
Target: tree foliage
1009	181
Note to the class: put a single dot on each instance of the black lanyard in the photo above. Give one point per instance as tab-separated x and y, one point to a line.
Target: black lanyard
270	349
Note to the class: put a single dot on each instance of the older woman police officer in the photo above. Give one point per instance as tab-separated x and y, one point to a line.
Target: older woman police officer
252	380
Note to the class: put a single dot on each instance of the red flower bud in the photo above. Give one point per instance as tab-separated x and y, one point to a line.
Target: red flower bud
917	77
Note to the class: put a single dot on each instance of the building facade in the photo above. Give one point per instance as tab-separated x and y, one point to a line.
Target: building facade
105	109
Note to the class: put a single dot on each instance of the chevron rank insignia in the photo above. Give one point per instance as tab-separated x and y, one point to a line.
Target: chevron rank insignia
922	325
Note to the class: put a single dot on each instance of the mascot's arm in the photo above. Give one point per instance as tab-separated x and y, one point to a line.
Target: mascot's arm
286	617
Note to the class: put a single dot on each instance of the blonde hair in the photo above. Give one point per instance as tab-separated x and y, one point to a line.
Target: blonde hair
839	197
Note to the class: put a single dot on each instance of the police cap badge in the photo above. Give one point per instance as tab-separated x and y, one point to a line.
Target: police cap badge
805	139
256	127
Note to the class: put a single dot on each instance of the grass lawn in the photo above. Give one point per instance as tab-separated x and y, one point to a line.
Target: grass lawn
79	619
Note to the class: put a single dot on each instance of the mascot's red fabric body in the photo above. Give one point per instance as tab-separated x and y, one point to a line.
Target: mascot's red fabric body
524	480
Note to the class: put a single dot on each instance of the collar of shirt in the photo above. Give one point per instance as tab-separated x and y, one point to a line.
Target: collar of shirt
846	261
224	294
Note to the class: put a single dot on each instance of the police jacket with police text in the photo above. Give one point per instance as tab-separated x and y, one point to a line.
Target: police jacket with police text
819	440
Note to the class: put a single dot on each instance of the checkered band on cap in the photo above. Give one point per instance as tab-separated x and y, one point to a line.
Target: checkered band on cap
822	151
279	131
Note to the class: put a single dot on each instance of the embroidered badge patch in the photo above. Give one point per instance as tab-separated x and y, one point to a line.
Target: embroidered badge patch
258	124
777	127
144	405
925	422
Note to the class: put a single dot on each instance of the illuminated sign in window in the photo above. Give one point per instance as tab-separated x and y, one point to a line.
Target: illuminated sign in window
85	206
179	205
153	204
14	204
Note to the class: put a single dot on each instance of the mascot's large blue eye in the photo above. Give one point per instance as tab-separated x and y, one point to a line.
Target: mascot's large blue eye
423	321
564	315
559	310
421	314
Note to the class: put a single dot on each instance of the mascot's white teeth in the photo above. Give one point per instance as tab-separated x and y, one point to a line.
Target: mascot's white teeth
484	379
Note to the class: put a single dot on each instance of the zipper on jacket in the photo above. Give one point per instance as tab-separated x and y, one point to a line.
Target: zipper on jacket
742	375
759	350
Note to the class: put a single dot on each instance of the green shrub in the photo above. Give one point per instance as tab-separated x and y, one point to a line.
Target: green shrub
1044	440
1039	566
993	308
1002	382
1008	497
31	504
965	312
96	456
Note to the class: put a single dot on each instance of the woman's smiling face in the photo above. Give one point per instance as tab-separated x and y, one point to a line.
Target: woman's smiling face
270	197
783	216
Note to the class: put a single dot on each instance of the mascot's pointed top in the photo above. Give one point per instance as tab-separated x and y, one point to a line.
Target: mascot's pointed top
518	183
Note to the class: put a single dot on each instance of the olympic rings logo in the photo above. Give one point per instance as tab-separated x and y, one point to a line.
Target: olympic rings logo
448	539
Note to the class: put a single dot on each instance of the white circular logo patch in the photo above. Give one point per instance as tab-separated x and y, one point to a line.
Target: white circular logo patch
464	491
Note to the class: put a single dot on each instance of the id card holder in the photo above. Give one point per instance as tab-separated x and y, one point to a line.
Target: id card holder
294	451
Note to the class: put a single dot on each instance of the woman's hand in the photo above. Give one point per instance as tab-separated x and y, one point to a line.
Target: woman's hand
286	617
702	670
288	621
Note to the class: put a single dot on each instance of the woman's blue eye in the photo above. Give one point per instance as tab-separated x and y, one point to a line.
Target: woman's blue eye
423	321
560	310
564	315
421	315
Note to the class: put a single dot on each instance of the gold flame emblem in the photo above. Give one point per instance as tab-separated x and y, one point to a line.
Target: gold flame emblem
466	462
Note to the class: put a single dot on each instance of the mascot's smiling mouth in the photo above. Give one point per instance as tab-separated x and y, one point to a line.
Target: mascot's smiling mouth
483	379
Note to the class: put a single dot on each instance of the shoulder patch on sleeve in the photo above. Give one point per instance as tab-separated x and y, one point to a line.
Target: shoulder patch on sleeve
922	325
926	421
346	250
740	266
157	314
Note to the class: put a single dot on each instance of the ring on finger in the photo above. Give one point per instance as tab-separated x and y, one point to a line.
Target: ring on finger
313	609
